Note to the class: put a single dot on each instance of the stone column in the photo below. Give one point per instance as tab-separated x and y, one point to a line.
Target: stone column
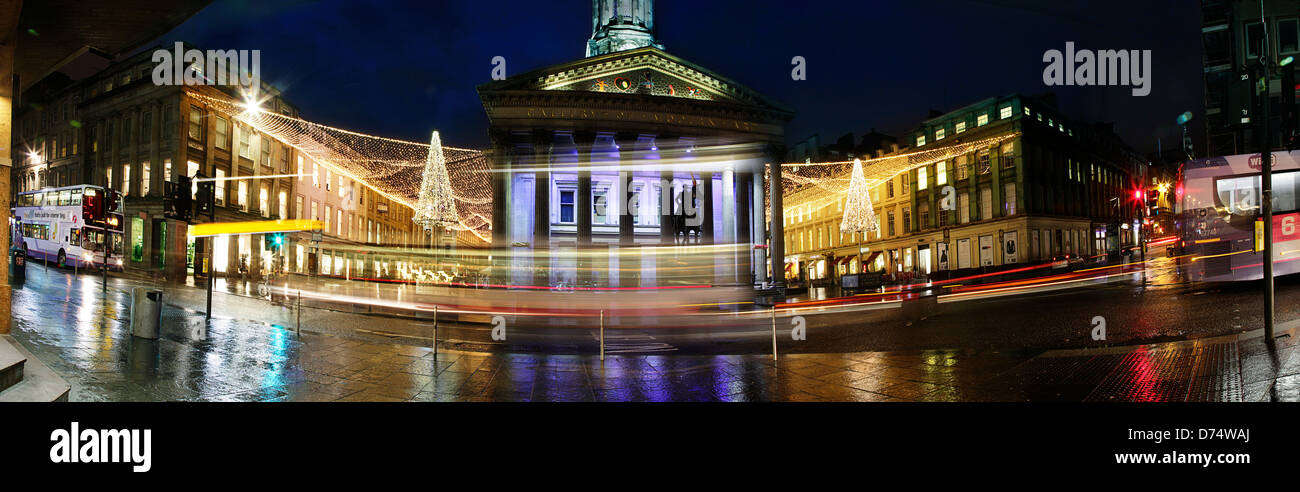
706	228
629	257
666	203
501	154
776	246
584	141
8	39
744	242
541	161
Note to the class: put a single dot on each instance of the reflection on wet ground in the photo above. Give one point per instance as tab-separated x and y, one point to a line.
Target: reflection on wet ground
87	341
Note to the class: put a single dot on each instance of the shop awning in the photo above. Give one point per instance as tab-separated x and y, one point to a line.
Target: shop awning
871	258
845	260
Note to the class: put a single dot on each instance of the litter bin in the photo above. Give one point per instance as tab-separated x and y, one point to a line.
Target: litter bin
17	264
146	312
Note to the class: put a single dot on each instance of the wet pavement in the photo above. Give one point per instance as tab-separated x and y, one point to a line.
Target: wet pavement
64	321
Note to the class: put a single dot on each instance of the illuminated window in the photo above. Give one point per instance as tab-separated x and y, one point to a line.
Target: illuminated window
982	120
264	200
938	134
1005	112
220	191
921	178
144	178
941	173
243	195
920	140
223	133
961	126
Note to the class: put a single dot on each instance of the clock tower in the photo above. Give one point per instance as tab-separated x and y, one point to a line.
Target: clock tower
618	25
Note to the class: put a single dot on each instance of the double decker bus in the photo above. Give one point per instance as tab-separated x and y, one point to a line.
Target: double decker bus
1220	206
70	226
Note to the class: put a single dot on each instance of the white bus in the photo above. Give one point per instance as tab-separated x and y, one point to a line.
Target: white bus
1220	206
59	225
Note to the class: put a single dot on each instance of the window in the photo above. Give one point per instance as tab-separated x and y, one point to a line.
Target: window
167	169
301	171
938	134
1026	108
566	206
891	223
924	210
889	189
599	212
194	185
1288	36
907	220
284	205
264	143
196	123
982	120
223	133
264	200
963	171
1008	155
243	195
297	208
220	187
126	178
920	140
1004	113
1254	40
907	184
941	173
108	178
315	210
144	178
328	212
1009	199
961	126
243	143
339	227
146	127
921	178
986	203
983	161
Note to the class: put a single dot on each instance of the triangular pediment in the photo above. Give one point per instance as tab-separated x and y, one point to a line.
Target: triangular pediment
646	71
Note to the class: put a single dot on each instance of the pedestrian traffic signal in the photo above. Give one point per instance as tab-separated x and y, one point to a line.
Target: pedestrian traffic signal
177	204
204	198
273	241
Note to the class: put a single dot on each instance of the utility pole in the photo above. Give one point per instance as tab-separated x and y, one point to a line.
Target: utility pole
1266	184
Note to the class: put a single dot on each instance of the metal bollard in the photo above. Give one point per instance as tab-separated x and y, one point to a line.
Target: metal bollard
602	335
299	313
435	332
773	331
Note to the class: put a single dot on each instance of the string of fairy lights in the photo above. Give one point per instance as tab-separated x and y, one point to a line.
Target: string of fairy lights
392	168
815	185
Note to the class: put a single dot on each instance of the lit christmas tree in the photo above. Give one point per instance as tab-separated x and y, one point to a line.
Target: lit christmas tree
437	205
859	215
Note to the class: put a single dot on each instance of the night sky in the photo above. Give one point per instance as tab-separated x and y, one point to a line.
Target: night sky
403	68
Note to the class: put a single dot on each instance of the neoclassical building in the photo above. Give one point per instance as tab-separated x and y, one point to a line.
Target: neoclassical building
600	163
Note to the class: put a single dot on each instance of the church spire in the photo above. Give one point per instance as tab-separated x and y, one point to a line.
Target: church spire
618	25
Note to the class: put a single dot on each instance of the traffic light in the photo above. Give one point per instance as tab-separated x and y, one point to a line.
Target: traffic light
1241	99
1153	202
177	204
204	198
273	241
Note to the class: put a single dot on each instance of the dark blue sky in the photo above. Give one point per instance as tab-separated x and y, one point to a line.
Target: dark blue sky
403	68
